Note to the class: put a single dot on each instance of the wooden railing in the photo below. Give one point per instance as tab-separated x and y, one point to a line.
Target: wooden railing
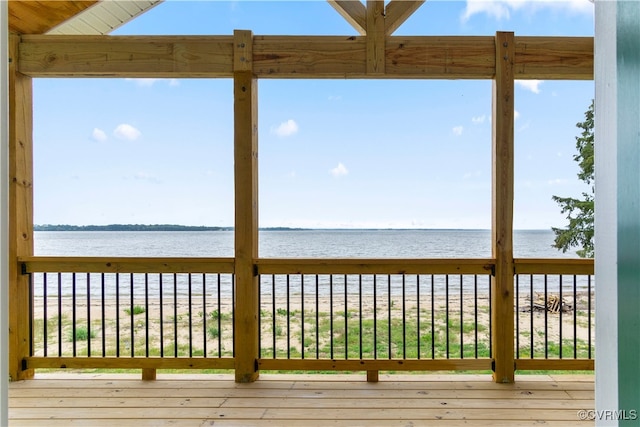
313	314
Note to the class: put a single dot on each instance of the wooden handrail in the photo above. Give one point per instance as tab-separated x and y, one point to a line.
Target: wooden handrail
126	265
580	266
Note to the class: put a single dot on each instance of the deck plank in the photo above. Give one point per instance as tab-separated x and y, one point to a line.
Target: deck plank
299	400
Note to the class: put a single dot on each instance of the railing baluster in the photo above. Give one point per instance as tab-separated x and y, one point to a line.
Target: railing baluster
575	318
103	315
331	315
404	317
219	320
560	321
360	312
204	315
490	320
44	313
546	318
302	326
346	320
161	290
389	314
190	316
273	312
59	314
418	335
461	322
175	314
73	312
375	317
446	304
32	296
531	317
288	316
117	314
517	323
433	320
88	315
317	317
132	314
475	312
233	313
146	314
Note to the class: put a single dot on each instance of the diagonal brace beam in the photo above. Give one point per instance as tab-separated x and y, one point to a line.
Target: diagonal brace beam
354	12
397	12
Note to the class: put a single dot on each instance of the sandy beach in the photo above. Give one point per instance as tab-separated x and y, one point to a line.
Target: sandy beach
209	322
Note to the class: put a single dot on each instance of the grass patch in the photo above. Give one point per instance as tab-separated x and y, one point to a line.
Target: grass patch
137	309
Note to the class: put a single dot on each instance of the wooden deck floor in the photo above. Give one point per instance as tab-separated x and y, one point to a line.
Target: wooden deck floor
297	400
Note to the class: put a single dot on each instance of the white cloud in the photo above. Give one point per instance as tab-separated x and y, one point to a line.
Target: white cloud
502	9
495	9
128	132
532	85
339	170
288	128
335	97
98	135
148	82
458	130
479	119
516	115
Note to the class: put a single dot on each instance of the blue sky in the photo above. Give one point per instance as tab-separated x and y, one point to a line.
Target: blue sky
333	153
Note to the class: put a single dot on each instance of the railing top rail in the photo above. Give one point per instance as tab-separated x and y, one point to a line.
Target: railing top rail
375	266
127	265
304	265
578	266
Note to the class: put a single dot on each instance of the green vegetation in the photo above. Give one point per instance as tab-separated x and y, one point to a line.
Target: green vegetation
579	232
138	309
82	334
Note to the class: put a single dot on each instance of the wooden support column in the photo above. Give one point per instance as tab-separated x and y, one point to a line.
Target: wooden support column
375	37
502	210
245	89
20	210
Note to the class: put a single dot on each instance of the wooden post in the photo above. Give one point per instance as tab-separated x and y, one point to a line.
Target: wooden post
246	208
375	37
20	210
502	210
149	374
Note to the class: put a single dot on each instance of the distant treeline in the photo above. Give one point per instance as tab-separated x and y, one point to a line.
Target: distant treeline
138	227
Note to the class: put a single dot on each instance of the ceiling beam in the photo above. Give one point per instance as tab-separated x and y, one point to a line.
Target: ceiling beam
397	12
354	12
287	57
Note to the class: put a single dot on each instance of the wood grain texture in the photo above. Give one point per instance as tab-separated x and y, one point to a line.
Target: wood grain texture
416	57
37	17
397	12
300	400
502	194
245	86
354	12
127	265
375	37
554	266
373	266
20	209
129	363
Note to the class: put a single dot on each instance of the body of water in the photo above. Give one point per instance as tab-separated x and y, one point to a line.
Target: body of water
285	244
295	243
